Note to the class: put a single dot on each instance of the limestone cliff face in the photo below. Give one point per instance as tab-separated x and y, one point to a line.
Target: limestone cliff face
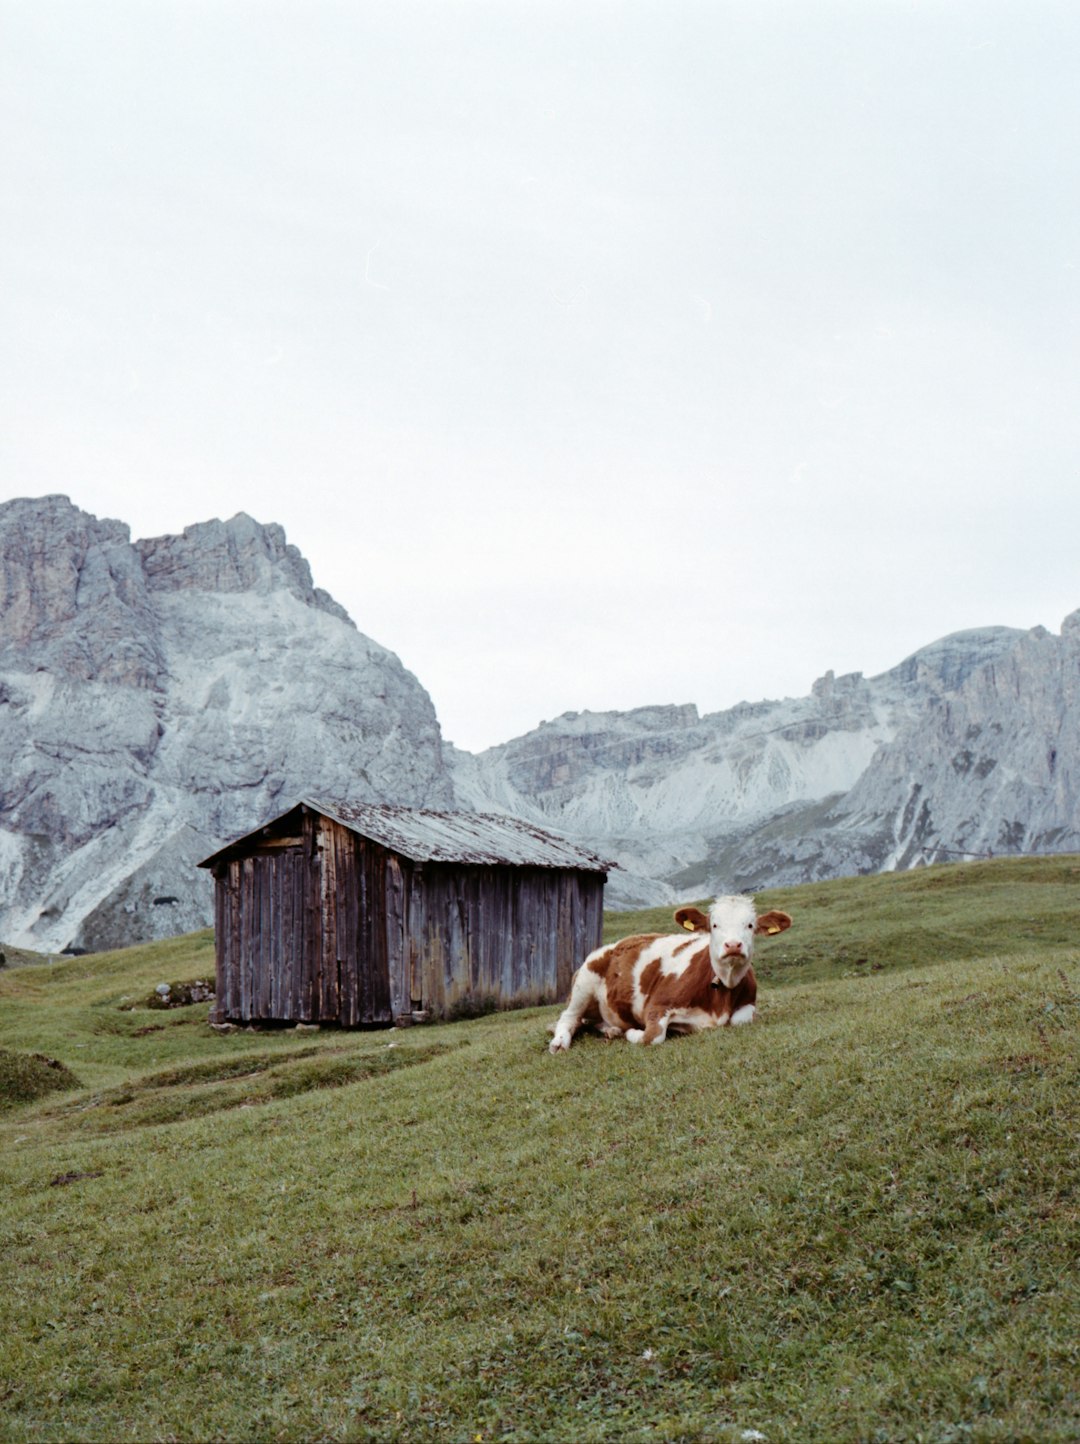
991	766
950	751
160	697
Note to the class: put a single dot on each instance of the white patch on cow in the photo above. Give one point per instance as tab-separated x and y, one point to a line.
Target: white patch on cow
634	1035
607	1012
692	1020
663	952
743	1015
587	988
731	937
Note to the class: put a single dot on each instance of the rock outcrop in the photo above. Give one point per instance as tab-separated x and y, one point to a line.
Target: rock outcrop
162	696
967	747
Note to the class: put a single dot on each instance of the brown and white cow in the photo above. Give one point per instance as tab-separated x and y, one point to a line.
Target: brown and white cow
643	986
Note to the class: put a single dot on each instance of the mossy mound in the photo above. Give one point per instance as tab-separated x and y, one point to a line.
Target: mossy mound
26	1076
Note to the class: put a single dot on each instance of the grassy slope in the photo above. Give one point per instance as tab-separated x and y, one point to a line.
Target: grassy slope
858	1220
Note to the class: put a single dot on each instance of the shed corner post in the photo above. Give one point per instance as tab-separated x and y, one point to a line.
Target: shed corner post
222	925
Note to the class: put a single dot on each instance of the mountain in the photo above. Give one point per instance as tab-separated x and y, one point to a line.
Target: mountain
161	696
970	746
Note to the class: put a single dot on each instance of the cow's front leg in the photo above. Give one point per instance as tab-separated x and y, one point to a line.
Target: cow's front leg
654	1031
583	1001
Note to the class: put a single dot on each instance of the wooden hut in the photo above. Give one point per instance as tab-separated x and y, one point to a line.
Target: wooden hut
358	915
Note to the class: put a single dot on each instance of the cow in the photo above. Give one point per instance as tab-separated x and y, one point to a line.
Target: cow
644	986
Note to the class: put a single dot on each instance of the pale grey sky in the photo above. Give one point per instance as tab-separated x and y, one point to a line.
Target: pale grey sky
594	354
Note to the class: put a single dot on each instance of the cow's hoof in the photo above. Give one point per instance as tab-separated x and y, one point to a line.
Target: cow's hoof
559	1045
634	1035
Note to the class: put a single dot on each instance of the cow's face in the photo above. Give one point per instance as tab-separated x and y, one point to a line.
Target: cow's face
732	924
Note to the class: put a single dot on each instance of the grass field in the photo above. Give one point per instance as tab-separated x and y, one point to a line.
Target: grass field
857	1220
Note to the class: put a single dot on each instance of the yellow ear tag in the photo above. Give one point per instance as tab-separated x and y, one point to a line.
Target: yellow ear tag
688	925
772	930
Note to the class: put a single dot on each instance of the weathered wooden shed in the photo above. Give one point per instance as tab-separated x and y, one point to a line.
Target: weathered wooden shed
334	913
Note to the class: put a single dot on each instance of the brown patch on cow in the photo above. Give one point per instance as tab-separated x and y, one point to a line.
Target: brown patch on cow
622	958
614	952
687	943
696	988
742	995
649	975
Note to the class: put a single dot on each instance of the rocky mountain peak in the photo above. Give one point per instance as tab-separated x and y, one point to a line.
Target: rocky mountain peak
161	696
72	595
950	659
238	555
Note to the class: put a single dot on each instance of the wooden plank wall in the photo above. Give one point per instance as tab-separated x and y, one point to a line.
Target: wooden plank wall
510	934
266	923
330	927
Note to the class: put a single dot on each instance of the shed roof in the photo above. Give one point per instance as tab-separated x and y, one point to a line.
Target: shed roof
465	837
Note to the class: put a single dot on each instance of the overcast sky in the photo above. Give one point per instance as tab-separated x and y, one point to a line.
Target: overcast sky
593	354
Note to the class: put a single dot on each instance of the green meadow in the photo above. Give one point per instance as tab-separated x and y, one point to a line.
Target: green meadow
856	1220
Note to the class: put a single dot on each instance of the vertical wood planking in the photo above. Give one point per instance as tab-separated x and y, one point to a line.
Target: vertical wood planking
310	998
346	904
298	974
341	929
235	955
286	926
247	900
264	876
413	936
328	981
221	938
397	996
364	921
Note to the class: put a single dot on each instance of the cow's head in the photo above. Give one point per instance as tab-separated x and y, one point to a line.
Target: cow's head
732	923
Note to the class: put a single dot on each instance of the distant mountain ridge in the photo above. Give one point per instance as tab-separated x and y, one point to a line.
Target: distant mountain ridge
862	775
159	697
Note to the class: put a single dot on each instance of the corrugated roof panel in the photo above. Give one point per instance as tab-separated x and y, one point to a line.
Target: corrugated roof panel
468	837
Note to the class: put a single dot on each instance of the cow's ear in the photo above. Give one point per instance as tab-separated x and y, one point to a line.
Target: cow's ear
774	922
693	920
